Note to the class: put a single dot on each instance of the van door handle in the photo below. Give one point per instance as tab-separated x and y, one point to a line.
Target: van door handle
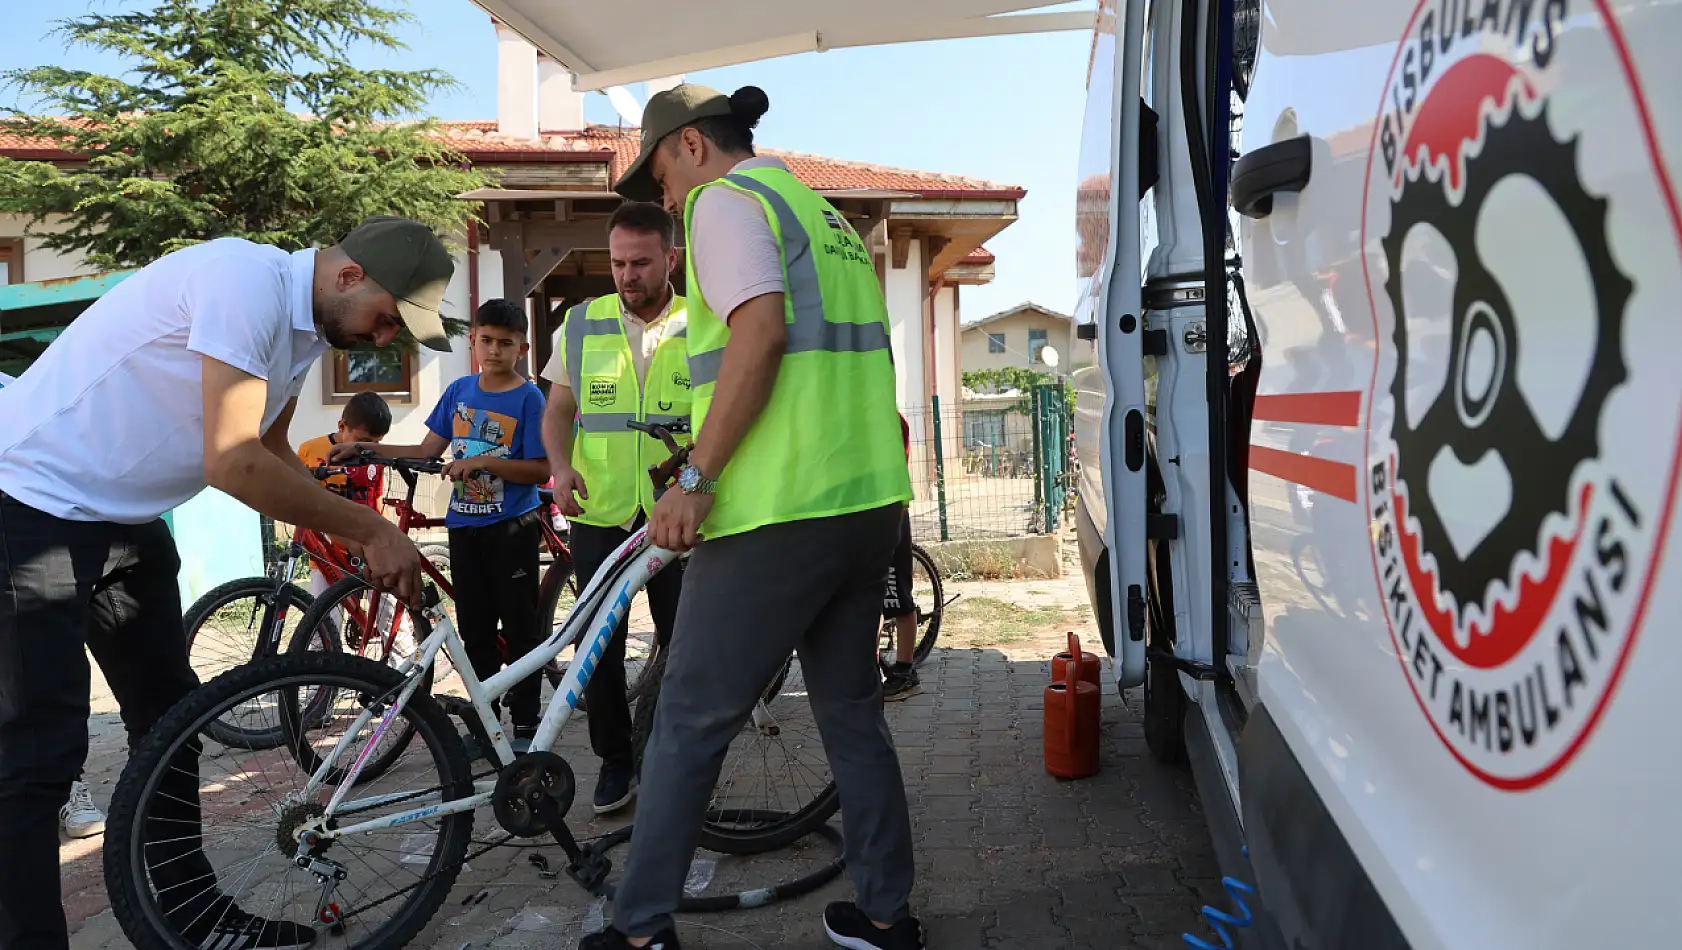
1258	176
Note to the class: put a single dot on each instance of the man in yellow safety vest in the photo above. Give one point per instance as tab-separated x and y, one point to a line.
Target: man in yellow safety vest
620	357
798	484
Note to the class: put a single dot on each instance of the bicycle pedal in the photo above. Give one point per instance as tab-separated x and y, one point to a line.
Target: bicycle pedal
591	871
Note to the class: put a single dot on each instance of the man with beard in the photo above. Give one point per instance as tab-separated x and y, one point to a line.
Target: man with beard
184	375
621	356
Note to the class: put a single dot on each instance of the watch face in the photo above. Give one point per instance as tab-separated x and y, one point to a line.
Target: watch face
688	478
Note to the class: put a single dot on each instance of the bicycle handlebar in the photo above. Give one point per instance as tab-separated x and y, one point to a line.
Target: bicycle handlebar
663	473
409	467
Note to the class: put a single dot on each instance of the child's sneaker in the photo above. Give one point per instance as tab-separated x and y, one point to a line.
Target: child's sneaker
901	682
523	736
848	926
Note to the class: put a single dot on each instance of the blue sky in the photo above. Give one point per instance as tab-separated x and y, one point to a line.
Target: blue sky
1006	109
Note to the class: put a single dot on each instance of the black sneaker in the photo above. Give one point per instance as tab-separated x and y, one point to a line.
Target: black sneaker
615	787
848	926
475	751
226	927
611	939
901	682
523	736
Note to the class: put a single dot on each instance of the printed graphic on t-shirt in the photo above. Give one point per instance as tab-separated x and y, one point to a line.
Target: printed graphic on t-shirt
476	432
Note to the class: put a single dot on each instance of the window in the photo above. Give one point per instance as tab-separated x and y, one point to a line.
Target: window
1036	343
389	371
11	260
984	429
995	342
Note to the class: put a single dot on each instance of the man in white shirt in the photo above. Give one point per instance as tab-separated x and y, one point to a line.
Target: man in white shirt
184	375
648	315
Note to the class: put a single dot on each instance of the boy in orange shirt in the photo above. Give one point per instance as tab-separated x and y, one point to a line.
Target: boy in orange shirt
366	418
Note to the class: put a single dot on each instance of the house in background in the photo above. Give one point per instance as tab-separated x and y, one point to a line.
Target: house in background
992	421
1016	337
542	236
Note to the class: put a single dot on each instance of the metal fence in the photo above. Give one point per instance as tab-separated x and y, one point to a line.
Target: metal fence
993	467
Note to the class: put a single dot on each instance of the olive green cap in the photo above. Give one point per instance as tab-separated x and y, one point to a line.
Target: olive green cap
665	113
406	259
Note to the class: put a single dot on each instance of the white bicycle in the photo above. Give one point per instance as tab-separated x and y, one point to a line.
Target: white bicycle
369	855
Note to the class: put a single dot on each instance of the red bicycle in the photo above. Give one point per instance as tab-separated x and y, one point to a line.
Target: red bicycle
246	619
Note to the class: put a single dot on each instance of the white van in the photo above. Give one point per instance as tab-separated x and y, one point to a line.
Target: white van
1414	643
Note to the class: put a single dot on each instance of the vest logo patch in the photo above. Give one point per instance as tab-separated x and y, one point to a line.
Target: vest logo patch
680	380
603	392
846	242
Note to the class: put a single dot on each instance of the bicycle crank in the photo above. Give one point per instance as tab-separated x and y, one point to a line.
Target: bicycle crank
533	793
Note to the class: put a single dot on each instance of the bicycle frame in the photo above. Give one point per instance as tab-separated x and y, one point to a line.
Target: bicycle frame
592	622
409	518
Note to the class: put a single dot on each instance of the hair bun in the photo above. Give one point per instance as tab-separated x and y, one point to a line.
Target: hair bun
748	104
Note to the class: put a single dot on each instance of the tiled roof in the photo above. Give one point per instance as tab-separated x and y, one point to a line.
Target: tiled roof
480	141
979	256
816	171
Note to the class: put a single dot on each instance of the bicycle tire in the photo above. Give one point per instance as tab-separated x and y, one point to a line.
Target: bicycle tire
928	622
316	617
126	879
778	830
925	643
220	598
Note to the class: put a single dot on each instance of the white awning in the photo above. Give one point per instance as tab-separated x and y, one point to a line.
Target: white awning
625	41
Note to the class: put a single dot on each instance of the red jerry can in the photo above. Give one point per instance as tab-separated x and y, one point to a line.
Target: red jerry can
1088	666
1071	717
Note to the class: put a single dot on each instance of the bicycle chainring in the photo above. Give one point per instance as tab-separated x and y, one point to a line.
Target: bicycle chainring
523	785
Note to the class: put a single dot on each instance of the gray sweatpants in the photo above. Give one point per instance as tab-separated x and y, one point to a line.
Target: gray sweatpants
748	600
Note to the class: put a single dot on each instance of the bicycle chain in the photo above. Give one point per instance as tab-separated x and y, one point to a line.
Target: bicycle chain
453	866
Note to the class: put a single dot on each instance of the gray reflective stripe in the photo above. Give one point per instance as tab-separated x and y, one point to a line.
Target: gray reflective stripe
804	295
579	326
703	367
598	423
810	331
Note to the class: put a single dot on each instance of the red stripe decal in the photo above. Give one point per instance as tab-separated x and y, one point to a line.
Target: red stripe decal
1328	409
1333	478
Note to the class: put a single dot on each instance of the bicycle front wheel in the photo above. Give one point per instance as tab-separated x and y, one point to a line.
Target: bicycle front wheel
232	625
196	841
775	786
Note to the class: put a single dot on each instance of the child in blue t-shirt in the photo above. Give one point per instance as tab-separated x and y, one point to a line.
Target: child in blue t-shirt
492	425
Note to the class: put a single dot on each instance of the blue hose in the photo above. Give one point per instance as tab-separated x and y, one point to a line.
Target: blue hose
1220	919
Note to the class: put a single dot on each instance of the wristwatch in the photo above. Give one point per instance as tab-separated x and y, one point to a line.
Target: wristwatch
690	481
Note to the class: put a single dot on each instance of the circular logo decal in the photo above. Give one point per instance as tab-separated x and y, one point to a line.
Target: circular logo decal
1523	417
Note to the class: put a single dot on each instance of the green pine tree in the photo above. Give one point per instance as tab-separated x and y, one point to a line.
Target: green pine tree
237	118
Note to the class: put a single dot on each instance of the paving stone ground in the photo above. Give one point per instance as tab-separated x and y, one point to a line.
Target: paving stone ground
1008	857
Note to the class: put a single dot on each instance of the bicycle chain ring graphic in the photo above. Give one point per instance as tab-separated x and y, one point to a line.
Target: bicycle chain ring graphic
1471	422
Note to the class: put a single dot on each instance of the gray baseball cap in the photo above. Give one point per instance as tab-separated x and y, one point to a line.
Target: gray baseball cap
412	264
665	113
